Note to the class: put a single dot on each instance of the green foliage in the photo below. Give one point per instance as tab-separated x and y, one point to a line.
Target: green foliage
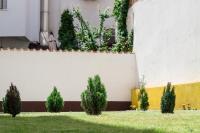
12	101
105	46
54	102
168	99
124	40
143	98
67	36
4	105
85	35
102	31
124	44
94	98
93	39
120	13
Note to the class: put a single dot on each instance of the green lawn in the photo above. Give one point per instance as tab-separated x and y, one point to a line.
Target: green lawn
108	122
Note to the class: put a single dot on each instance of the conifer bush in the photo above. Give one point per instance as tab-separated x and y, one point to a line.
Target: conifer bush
94	98
143	98
67	35
12	102
4	105
54	102
168	99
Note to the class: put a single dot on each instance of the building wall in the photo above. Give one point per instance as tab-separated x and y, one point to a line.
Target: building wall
36	72
14	42
21	19
167	38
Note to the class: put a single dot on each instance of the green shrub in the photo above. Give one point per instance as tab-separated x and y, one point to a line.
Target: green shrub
123	38
143	98
67	36
120	13
54	102
94	98
4	105
168	99
12	101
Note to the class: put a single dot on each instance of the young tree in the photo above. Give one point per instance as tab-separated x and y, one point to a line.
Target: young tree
94	98
143	97
168	99
54	102
12	101
67	36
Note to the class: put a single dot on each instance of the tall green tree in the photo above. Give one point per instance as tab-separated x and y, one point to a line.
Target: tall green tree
67	36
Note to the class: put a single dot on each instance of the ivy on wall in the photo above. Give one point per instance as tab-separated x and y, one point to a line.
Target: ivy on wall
120	13
123	38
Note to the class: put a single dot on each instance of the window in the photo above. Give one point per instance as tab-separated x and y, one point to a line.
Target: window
3	4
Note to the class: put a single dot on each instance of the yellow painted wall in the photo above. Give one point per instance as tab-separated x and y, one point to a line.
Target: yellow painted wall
185	94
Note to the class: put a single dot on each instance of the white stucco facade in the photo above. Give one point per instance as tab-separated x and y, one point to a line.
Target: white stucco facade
167	38
21	19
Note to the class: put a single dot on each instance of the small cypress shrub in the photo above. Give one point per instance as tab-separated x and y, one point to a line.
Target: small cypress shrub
54	102
12	101
143	98
4	105
168	99
67	35
94	98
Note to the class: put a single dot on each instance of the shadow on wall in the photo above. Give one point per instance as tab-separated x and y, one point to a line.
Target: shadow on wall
64	124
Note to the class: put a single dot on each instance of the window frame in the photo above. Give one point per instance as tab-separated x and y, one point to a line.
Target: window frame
3	4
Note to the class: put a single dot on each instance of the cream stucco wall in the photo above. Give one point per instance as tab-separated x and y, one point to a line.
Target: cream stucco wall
167	38
36	72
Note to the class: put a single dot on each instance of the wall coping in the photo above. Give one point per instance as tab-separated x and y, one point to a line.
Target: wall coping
62	51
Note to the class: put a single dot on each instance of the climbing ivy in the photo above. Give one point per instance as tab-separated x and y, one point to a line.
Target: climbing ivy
120	12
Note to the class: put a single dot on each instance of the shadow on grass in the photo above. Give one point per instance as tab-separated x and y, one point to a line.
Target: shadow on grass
60	124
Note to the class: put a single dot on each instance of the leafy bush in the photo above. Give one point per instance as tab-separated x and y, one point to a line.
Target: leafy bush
67	35
143	98
94	98
168	99
54	102
85	35
12	101
92	38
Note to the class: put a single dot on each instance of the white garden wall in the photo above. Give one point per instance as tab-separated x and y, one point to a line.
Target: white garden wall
36	72
167	40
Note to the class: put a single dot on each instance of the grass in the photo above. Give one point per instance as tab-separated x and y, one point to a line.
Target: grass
108	122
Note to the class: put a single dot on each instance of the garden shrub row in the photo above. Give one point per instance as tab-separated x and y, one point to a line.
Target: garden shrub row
168	98
93	99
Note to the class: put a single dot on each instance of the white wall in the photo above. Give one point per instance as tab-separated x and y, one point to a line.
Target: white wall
21	18
167	38
35	73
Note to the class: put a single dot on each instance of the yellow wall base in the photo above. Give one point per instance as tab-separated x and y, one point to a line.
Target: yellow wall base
185	94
